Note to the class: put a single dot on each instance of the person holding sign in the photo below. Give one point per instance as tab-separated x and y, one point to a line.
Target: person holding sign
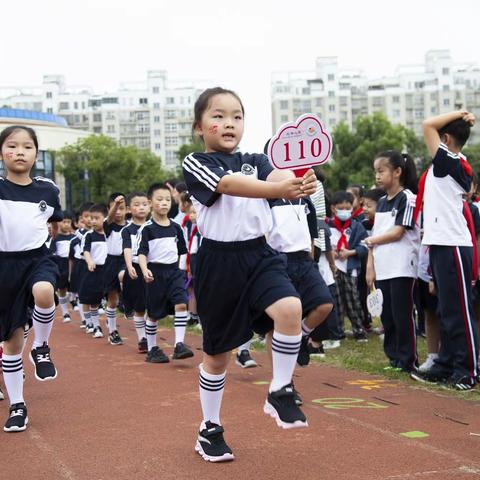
393	256
239	278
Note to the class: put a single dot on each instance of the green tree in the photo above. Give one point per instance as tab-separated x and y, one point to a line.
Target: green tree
354	151
473	156
96	166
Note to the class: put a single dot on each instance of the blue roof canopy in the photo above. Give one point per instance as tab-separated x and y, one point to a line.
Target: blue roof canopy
31	115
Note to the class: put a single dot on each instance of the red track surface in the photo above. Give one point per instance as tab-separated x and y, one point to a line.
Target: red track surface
110	415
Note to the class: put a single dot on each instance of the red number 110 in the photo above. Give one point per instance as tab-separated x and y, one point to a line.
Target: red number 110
315	149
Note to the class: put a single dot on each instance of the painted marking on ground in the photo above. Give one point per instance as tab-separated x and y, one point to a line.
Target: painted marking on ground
344	403
372	384
414	434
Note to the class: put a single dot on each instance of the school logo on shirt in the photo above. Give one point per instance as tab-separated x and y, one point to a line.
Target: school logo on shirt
42	206
247	169
394	212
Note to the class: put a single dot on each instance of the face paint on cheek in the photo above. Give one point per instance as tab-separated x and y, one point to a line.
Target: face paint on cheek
213	129
9	155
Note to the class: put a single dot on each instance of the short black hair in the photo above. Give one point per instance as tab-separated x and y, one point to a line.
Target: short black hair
342	197
67	215
154	187
374	194
85	207
99	208
181	187
132	195
113	196
185	197
459	130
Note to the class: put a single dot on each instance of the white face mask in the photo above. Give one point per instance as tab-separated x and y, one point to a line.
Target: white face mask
343	215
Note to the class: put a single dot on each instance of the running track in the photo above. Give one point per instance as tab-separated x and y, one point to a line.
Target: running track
110	415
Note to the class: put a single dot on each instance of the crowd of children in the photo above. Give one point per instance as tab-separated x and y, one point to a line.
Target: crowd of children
242	248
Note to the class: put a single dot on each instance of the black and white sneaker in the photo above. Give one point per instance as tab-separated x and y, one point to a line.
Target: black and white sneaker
464	384
181	352
281	406
115	339
44	367
98	332
245	360
83	324
90	328
427	377
143	346
156	355
303	358
17	420
66	318
361	337
211	444
316	352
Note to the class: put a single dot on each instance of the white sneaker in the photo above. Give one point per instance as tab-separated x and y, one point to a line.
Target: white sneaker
331	344
101	311
66	318
428	363
97	332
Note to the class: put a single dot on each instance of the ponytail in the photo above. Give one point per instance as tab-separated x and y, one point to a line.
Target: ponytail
408	177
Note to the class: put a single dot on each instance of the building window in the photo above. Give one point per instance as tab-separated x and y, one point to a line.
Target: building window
170	127
75	105
331	94
284	118
445	71
49	110
318	102
156	119
344	101
331	77
446	102
97	129
396	99
433	97
433	110
111	128
158	146
283	104
396	113
170	100
170	114
156	106
49	95
331	108
157	133
97	117
306	105
64	106
305	91
333	122
143	101
446	88
155	90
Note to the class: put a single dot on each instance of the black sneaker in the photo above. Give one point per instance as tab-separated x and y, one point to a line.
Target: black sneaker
427	377
181	352
211	444
156	355
361	337
298	398
245	360
281	406
17	420
115	339
303	358
143	346
83	324
44	367
316	352
464	384
67	318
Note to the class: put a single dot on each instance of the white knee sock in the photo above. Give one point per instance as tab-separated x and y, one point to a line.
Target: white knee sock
64	304
140	327
12	367
181	319
94	320
42	324
285	350
151	333
111	319
211	394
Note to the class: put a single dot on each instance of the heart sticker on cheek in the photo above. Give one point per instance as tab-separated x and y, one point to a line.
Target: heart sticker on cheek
213	129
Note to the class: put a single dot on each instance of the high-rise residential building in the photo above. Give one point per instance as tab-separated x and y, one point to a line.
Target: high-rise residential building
154	114
414	93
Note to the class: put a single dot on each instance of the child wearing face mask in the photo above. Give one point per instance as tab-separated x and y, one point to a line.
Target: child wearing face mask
347	235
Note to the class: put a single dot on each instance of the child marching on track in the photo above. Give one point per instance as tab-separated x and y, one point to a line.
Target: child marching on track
94	249
161	244
393	256
450	234
28	274
133	282
115	264
60	248
239	277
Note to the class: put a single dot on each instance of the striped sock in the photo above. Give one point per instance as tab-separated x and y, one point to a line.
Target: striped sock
42	324
306	330
139	327
151	333
181	319
94	320
285	350
88	318
12	366
211	394
26	331
64	304
82	313
111	319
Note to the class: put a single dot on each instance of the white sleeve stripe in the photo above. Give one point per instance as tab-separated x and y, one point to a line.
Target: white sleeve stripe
201	171
408	215
196	163
206	181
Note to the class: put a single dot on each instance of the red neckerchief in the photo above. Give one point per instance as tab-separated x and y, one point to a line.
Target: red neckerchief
357	212
185	220
190	242
466	210
342	242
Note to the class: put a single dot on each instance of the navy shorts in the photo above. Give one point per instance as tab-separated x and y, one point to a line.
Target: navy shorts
166	290
113	266
427	300
79	270
62	264
234	283
19	271
91	289
134	291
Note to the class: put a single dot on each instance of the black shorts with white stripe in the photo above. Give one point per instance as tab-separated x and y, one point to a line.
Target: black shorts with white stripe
235	282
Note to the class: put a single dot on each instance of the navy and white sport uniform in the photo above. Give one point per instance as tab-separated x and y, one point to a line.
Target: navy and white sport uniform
294	229
238	275
115	262
396	268
451	258
79	266
92	288
133	292
24	257
163	245
60	248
